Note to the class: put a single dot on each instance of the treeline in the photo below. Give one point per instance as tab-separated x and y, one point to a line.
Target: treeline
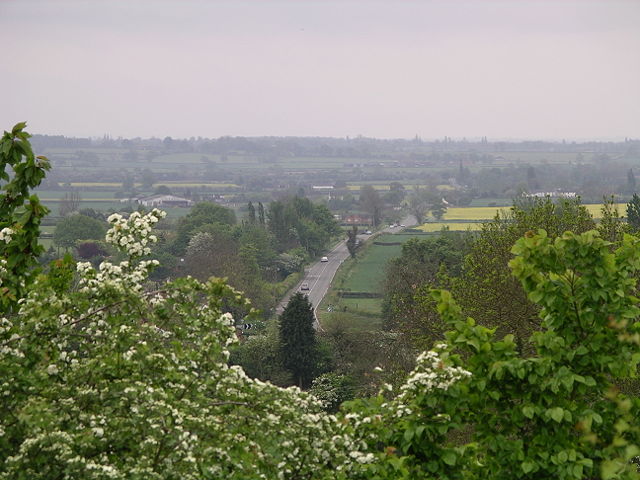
256	255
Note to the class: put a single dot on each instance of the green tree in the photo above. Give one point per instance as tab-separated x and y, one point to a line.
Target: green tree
352	241
421	201
420	266
298	339
261	215
633	212
486	288
476	404
77	227
631	182
251	215
371	202
200	214
20	214
110	380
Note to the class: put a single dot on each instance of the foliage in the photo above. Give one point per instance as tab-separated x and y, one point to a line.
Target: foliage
298	222
420	266
332	389
612	226
372	203
486	289
633	212
89	249
20	214
475	405
71	229
112	381
298	339
260	357
203	213
352	241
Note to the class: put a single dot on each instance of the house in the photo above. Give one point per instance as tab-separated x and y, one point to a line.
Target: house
164	201
357	220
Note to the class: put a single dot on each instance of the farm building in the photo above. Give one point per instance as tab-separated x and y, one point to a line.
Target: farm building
164	201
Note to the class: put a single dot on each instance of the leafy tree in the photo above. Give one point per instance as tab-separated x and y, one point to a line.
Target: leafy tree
631	182
110	380
420	266
20	214
421	201
372	203
163	190
261	215
259	356
486	289
352	241
201	214
251	215
296	221
476	404
332	389
89	249
77	227
298	339
633	212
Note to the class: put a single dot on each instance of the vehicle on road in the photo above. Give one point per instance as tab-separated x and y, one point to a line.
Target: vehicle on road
324	259
368	232
304	286
402	226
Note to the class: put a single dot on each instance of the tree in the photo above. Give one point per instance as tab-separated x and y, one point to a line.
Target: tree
201	214
77	227
20	214
420	202
476	403
372	203
631	182
486	289
352	241
163	190
251	215
298	339
633	212
419	268
261	216
69	203
110	380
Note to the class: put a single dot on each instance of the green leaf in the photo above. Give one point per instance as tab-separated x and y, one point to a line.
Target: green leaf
527	466
556	413
449	457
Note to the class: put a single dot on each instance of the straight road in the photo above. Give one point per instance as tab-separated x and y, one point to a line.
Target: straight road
320	275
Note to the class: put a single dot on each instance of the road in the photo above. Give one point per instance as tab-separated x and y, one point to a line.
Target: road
320	275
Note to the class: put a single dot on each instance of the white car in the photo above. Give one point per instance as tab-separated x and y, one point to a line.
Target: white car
304	286
324	259
368	232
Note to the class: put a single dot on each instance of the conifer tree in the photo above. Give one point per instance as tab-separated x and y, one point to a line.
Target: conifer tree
633	212
298	339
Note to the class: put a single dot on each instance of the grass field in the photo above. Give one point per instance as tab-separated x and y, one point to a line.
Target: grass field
363	275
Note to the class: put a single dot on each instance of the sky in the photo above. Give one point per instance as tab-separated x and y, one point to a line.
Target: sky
517	69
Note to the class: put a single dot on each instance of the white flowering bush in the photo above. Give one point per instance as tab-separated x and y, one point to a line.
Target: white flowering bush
407	430
111	381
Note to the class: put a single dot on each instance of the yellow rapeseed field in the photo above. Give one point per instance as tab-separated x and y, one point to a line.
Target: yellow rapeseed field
487	213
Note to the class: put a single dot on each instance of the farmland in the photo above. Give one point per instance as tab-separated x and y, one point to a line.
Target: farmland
363	276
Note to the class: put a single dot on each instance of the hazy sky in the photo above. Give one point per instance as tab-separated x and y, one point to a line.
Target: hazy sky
509	69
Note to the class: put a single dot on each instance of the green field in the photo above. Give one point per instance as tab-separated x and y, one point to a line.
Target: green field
365	274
